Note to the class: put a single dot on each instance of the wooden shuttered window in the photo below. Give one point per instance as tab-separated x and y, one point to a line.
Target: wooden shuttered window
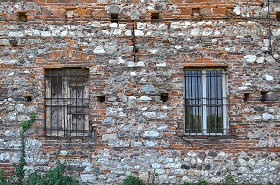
67	102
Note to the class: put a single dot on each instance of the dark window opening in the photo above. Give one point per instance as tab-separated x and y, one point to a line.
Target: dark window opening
205	102
154	17
22	16
246	97
164	97
114	18
67	102
101	99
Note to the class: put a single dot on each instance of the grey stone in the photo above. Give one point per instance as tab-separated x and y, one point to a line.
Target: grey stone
107	120
201	154
267	116
259	108
212	154
273	135
19	99
271	96
183	166
96	170
152	134
148	89
250	58
208	167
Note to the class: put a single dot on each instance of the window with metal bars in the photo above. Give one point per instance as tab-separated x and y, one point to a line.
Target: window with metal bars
205	102
67	102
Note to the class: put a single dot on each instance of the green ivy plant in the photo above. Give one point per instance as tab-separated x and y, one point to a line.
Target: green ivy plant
20	171
131	180
54	176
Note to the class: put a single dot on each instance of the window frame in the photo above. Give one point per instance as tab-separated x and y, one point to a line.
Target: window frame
71	107
204	104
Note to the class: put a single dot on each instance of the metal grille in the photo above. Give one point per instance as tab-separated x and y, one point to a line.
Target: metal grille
205	102
67	102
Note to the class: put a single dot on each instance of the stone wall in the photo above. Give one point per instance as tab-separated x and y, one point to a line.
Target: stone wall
134	131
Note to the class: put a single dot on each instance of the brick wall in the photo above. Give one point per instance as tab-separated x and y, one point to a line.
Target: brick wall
134	131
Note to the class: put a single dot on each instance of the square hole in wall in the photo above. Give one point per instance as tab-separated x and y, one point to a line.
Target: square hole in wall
164	97
101	99
264	95
278	15
28	98
246	97
114	18
154	17
22	16
195	11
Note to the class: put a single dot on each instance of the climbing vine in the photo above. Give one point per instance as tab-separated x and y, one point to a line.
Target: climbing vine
20	171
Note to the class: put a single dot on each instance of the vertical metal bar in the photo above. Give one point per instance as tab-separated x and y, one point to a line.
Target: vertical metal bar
69	113
224	101
76	103
82	104
57	118
64	95
204	101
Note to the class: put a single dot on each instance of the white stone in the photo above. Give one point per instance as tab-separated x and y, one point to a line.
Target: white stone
175	25
88	169
260	60
15	34
250	58
267	116
87	178
130	64
99	50
237	10
150	114
160	171
138	33
64	33
63	152
117	32
153	134
150	143
178	47
113	25
20	107
268	78
276	32
106	32
11	74
195	32
46	34
153	51
141	26
144	98
127	33
122	26
192	154
133	73
121	60
156	165
161	64
242	162
109	137
140	64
